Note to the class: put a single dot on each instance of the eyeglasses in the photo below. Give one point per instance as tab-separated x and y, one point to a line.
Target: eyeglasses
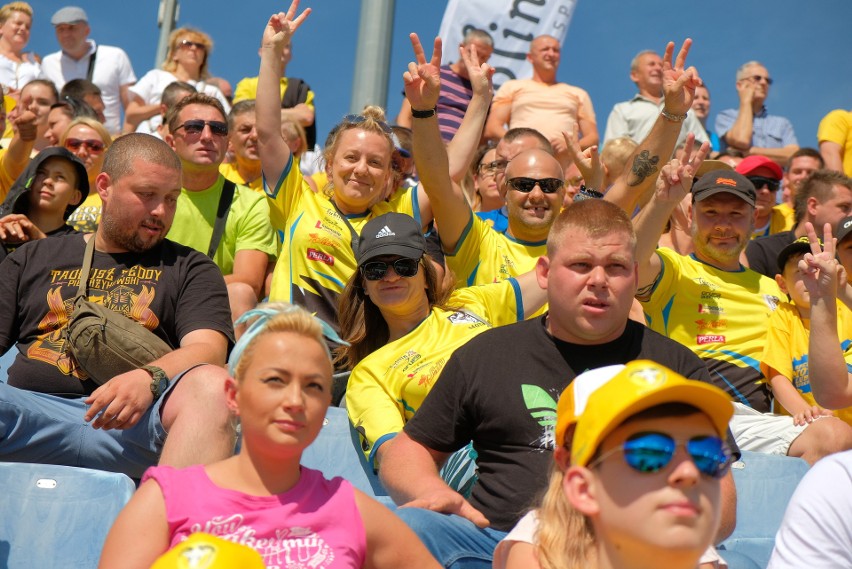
359	119
760	181
196	126
649	452
488	168
195	44
94	146
376	270
759	78
526	185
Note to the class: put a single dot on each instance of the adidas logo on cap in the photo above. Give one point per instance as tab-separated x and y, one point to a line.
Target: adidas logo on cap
384	232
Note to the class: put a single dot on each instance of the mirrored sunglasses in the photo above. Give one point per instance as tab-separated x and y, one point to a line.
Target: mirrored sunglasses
196	126
376	270
526	185
651	452
94	146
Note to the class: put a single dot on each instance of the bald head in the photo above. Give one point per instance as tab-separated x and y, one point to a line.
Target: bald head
535	163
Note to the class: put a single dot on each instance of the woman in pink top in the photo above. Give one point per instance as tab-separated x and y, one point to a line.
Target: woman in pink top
262	497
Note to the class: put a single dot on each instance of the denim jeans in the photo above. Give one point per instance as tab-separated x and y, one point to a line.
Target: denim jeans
454	541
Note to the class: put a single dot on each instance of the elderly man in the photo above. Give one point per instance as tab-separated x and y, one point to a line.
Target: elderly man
543	103
634	118
198	134
171	410
106	66
750	128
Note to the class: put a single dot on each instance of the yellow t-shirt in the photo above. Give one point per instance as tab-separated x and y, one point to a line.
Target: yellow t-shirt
719	315
87	216
786	351
247	226
229	170
247	89
388	386
316	256
836	127
782	218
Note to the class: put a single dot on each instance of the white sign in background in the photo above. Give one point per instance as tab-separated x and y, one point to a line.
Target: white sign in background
512	24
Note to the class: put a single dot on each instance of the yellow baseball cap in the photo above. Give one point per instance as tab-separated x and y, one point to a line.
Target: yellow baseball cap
599	400
205	551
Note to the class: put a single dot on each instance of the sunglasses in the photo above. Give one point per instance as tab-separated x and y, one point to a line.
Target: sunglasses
652	452
376	270
95	146
760	181
359	119
196	126
759	78
195	44
526	185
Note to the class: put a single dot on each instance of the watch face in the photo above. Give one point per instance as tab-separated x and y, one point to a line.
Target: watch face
162	385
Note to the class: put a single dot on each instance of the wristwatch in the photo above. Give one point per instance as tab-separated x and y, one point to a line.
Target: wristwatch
159	380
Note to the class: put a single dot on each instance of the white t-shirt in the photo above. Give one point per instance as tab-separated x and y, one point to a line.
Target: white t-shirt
817	527
150	89
112	70
14	75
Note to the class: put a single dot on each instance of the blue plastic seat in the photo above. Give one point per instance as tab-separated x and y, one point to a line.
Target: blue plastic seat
765	484
57	516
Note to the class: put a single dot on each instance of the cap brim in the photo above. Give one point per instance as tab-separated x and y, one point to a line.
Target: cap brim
703	195
710	165
398	249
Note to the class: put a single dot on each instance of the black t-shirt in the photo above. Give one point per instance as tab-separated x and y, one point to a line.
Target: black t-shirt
762	253
170	289
500	391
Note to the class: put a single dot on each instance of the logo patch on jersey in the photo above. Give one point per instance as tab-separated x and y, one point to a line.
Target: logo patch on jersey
708	295
314	255
322	240
704	325
327	229
385	232
709	339
771	301
710	309
542	408
461	317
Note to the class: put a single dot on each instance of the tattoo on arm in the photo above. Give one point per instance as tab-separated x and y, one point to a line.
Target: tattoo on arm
644	165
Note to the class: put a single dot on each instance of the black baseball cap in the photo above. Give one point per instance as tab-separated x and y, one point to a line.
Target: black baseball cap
718	181
391	234
844	228
800	245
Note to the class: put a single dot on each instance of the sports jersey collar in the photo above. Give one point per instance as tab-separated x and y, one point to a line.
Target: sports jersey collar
694	258
525	243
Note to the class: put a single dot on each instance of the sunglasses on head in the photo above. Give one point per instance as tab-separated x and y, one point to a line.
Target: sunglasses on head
196	126
526	185
652	452
376	270
189	43
760	181
359	119
74	144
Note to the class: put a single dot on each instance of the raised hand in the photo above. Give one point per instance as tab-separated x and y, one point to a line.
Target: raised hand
479	74
281	27
23	119
679	82
588	161
423	79
676	177
820	269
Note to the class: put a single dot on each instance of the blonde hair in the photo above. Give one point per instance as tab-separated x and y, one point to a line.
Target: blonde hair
371	119
616	153
565	538
93	124
292	130
190	34
7	10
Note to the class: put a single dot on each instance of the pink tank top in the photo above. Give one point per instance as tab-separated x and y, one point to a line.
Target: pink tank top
315	525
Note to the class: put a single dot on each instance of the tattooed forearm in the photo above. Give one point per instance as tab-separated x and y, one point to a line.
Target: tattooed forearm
644	165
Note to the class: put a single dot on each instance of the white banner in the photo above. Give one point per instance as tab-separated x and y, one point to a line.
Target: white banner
512	24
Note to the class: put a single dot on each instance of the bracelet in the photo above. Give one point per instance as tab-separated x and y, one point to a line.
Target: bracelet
674	118
424	114
587	194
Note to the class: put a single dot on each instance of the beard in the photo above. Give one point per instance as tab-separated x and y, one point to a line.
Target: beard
124	233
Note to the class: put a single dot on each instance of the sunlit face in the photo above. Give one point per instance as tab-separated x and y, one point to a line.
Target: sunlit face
531	214
283	394
832	210
758	76
792	282
701	103
673	512
506	152
42	97
55	186
396	295
590	283
139	207
16	30
766	198
359	169
485	182
57	121
798	169
92	159
243	137
204	150
72	37
189	52
544	54
648	74
721	226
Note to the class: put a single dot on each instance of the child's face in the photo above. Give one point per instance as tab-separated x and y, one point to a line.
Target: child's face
674	510
791	282
55	185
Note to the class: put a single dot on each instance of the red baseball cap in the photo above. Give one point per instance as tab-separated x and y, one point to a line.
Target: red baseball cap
751	163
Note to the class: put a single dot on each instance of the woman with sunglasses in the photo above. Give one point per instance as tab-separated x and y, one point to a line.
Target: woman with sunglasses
640	453
187	61
263	496
402	325
88	140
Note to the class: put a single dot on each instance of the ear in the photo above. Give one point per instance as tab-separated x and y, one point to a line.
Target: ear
581	490
782	284
812	204
169	139
542	270
562	456
634	76
78	197
103	185
231	390
689	213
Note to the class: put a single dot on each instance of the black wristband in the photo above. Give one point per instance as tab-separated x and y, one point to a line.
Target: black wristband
424	114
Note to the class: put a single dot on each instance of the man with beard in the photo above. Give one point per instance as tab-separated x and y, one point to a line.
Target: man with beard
171	411
719	309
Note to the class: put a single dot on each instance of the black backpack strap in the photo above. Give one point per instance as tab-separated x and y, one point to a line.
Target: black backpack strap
225	201
295	93
91	69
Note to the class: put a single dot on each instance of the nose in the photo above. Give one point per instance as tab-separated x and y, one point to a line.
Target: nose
391	275
597	276
293	396
684	473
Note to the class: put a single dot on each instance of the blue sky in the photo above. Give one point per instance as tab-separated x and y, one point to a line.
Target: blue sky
806	46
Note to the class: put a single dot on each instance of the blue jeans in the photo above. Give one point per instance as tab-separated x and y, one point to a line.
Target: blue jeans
454	541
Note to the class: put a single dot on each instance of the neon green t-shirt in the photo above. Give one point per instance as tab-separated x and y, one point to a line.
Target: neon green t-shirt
247	226
388	386
786	351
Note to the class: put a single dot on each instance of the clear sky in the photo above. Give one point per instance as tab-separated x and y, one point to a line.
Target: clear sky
806	46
